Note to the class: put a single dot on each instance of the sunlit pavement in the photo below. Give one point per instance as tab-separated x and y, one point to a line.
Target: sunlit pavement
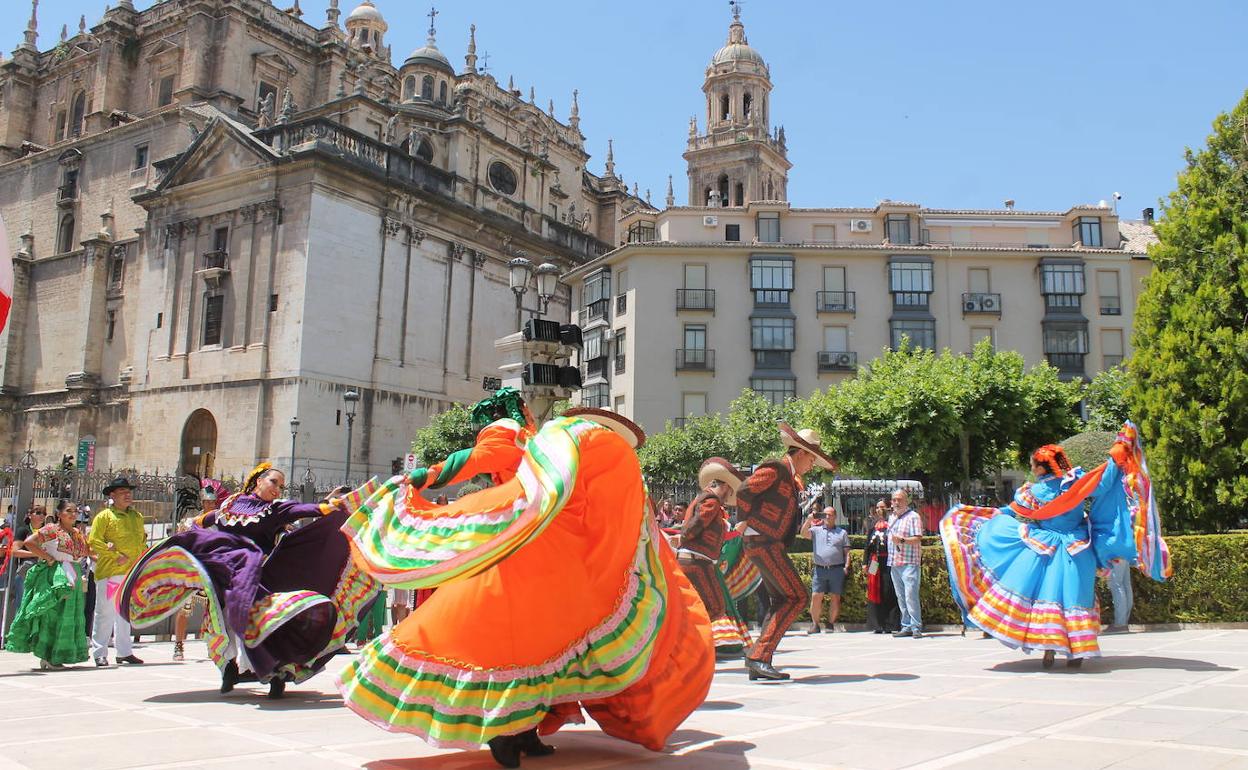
1176	700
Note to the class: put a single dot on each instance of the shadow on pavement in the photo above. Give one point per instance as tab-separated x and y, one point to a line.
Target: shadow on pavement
847	678
1111	663
719	705
294	700
582	750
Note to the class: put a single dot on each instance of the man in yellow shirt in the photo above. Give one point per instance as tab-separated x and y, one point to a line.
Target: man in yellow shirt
117	539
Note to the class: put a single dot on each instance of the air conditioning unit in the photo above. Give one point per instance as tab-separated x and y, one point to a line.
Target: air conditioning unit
608	334
843	359
710	220
860	225
973	304
988	302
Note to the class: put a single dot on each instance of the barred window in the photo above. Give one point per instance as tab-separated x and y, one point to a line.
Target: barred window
772	334
214	307
922	334
776	390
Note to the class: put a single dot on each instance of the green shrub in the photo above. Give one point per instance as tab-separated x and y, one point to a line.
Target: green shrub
1210	578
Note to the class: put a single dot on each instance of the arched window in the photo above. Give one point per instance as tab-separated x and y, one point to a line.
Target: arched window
747	102
725	107
706	197
77	113
65	235
409	87
442	92
426	87
424	151
738	198
723	190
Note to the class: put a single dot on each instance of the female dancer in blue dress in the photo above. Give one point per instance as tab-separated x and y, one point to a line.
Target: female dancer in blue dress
1025	573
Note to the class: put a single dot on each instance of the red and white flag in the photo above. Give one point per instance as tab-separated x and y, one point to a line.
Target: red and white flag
6	276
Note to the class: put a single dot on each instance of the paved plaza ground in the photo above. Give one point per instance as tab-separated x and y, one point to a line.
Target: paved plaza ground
1175	700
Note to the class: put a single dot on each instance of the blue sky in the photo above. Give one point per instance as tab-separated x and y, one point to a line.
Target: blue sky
953	104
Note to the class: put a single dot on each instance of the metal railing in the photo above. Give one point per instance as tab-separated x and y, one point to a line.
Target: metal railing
835	302
1067	363
596	310
695	299
215	260
695	359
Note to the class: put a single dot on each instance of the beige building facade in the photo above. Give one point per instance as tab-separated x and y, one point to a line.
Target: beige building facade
224	217
697	303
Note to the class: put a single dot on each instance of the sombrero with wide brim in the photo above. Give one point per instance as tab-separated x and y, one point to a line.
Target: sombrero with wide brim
719	469
631	431
807	439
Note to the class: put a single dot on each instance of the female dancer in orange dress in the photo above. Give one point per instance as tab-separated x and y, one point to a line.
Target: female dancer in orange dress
556	594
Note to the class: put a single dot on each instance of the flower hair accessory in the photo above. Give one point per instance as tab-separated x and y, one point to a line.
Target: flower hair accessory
1052	457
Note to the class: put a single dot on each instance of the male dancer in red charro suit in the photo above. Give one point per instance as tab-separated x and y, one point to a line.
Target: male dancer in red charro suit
702	533
767	503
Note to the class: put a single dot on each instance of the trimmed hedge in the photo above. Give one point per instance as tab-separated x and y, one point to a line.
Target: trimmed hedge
1210	585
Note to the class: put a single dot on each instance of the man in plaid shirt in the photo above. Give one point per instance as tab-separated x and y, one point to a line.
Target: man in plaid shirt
905	539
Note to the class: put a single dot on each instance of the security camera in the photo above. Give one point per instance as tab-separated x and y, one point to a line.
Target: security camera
1117	196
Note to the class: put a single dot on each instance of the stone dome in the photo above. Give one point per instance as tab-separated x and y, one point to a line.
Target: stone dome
735	52
366	12
430	55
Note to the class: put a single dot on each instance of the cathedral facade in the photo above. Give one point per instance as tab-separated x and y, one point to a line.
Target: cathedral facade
224	217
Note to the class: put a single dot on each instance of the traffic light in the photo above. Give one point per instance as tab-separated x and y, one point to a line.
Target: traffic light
539	330
552	375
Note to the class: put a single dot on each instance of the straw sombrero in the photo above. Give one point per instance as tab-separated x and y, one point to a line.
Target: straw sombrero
807	439
719	469
631	431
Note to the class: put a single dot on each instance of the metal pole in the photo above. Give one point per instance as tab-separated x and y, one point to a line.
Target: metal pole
350	426
293	434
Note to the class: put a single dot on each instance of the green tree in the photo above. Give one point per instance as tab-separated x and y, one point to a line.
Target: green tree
447	432
746	435
948	417
1190	389
1106	399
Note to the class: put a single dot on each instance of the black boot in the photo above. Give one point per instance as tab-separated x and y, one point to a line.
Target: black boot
1049	655
229	677
277	688
506	750
1074	663
532	745
760	670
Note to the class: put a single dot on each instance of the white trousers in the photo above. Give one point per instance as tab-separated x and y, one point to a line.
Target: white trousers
108	624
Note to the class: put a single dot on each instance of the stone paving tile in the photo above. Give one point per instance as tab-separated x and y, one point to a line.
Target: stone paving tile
1175	697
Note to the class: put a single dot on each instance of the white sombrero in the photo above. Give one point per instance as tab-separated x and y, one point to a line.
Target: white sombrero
807	439
719	469
631	431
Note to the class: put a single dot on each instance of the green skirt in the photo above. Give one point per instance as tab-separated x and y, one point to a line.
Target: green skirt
51	620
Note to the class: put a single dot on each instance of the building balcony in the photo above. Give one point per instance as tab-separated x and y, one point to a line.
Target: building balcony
67	194
599	310
981	303
695	360
620	364
835	302
838	361
213	266
1067	364
773	359
597	367
695	299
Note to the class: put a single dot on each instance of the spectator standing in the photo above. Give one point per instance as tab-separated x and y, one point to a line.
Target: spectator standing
117	539
22	559
883	616
905	554
1120	590
49	622
830	545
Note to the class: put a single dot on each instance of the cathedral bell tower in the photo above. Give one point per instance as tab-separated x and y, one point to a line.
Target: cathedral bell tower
738	159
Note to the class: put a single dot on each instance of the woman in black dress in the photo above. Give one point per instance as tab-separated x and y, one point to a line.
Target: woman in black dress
883	615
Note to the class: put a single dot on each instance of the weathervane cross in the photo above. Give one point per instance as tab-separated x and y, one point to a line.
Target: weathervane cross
433	13
485	62
736	9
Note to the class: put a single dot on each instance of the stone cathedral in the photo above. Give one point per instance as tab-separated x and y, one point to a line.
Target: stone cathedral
224	215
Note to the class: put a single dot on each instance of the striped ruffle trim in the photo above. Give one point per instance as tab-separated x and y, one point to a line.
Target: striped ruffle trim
740	574
161	583
1029	625
958	529
354	590
726	632
453	704
1152	553
407	547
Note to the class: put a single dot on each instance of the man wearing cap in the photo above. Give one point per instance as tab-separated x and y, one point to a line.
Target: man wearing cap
702	533
117	539
767	502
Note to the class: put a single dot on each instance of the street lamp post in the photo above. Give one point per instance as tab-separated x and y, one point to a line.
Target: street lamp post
546	277
351	397
294	432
